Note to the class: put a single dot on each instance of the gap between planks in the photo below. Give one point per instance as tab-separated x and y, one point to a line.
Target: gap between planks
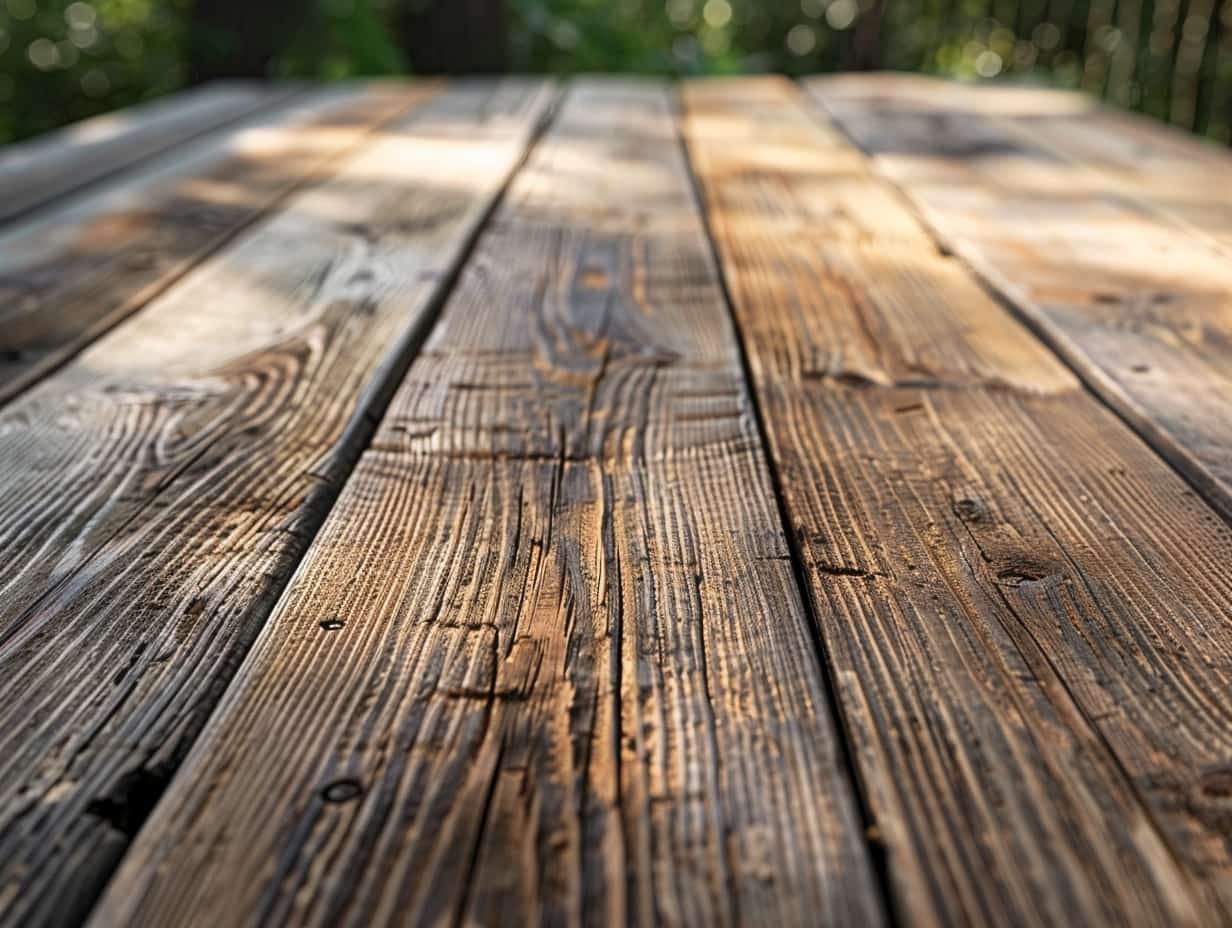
994	648
875	847
43	171
182	464
547	660
1134	298
1174	176
823	566
72	274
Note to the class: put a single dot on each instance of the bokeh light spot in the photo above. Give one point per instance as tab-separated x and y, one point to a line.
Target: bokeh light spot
717	13
841	13
801	40
988	63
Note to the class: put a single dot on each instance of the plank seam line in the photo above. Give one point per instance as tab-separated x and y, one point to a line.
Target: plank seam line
1193	891
876	852
369	410
269	104
1126	200
815	109
313	177
1093	378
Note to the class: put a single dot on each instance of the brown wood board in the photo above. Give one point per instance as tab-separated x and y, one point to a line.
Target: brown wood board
1173	174
547	662
1138	305
69	277
160	489
44	169
1026	612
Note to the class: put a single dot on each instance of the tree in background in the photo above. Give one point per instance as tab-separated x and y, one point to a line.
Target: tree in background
241	38
338	38
453	36
64	60
61	60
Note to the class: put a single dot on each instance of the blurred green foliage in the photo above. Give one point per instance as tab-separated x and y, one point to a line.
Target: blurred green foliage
345	38
61	60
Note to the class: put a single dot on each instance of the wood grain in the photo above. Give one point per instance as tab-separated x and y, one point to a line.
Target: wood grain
1171	173
159	490
73	274
547	663
1139	305
1025	610
40	171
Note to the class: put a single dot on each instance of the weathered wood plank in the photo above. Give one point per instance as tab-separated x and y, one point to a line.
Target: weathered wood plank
39	171
1139	306
1027	612
546	663
159	489
1173	173
74	273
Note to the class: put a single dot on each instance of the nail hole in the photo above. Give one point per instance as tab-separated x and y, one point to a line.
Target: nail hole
332	625
1216	782
342	791
1140	368
11	355
1022	572
968	509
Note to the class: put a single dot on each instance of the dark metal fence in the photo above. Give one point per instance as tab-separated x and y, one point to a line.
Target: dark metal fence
1171	59
65	59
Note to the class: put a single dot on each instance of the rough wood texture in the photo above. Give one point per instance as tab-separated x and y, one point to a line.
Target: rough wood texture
1172	173
1026	612
546	663
73	274
160	488
1139	305
37	172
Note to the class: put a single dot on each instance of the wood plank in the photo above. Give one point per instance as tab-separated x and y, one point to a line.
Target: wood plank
1172	173
1141	308
68	277
39	171
160	489
547	663
1027	613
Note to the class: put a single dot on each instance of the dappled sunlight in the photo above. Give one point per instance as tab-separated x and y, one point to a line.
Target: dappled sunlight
759	484
66	144
986	182
1069	213
1000	100
222	168
68	274
645	468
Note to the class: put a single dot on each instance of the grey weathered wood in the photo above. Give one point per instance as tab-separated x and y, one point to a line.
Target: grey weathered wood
1027	613
159	489
1137	304
68	277
546	663
39	171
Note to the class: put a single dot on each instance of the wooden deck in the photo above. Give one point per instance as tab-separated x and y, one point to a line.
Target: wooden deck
616	502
